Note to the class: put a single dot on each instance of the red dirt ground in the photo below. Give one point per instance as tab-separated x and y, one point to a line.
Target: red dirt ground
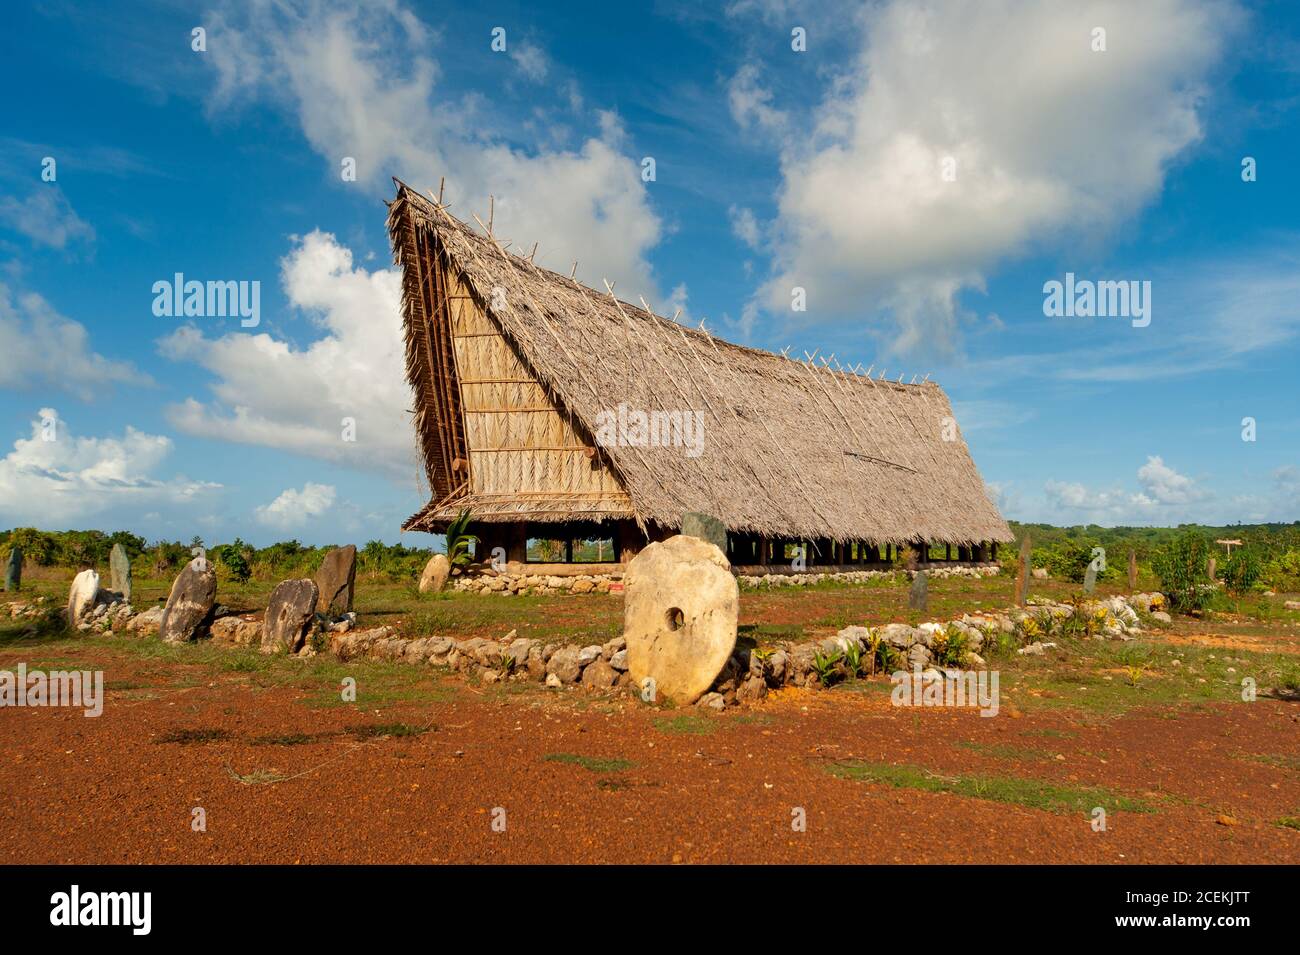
104	790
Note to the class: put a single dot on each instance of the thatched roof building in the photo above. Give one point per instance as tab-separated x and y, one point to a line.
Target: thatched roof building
519	374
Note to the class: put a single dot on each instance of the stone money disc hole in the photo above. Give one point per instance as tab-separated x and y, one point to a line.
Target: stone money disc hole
675	618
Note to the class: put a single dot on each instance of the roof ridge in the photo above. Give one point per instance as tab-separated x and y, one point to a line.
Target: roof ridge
442	218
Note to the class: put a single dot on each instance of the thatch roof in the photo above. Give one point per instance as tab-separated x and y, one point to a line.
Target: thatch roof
792	449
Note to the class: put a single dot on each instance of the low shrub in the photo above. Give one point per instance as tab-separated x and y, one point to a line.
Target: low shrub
1181	567
1242	571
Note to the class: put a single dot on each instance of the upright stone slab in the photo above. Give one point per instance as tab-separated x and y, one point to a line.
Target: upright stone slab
1090	578
1212	569
435	575
81	596
336	581
919	597
288	614
14	569
1132	571
680	608
706	527
1022	578
191	603
119	570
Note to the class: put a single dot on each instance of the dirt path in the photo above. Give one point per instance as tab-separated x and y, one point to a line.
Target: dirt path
585	780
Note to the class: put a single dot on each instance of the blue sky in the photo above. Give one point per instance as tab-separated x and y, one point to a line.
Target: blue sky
920	170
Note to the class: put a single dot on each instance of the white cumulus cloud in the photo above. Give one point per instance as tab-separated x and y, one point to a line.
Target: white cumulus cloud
269	392
1050	142
364	83
1166	496
297	507
46	217
1163	485
55	478
41	348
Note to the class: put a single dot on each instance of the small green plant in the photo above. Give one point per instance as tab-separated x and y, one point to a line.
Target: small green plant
827	666
853	660
1028	629
882	656
459	540
318	639
506	664
950	647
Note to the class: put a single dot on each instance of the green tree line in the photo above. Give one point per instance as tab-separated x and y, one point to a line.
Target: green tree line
234	560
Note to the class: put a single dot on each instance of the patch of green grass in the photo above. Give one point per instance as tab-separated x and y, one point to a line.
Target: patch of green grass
594	764
1050	733
378	730
686	724
1290	822
46	628
283	739
185	736
1031	793
1273	759
246	663
122	685
1006	750
765	634
1094	676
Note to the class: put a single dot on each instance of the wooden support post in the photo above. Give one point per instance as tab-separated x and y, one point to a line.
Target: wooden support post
517	542
1022	579
630	540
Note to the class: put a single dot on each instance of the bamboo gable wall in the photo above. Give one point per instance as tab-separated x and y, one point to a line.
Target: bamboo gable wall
520	441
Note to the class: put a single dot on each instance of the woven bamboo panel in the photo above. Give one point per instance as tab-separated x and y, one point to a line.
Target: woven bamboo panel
519	439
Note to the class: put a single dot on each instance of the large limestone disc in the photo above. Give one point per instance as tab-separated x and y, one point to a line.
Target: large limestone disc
681	604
